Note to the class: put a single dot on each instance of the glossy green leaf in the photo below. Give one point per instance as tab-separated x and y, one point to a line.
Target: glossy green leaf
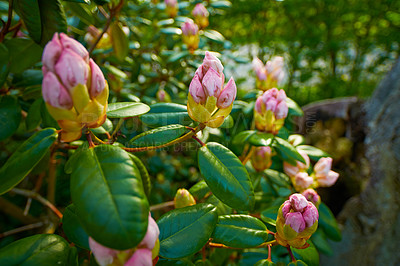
25	158
261	139
30	13
228	122
167	262
52	18
162	114
270	214
314	153
199	190
222	208
277	177
39	250
264	262
287	152
214	36
296	139
328	223
82	12
171	31
309	256
34	116
185	231
158	136
119	40
243	137
126	109
240	231
221	4
10	116
24	53
73	228
178	56
107	191
294	108
143	173
226	176
297	263
321	243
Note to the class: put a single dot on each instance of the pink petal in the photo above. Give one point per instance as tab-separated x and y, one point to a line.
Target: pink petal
54	93
228	95
74	45
310	214
141	257
71	69
212	83
98	82
298	202
52	52
151	236
197	90
296	221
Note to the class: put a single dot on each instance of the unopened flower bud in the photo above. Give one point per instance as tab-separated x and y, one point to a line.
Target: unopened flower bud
312	196
200	15
270	111
209	102
190	35
270	75
292	170
302	181
323	173
183	198
141	257
73	87
171	7
261	158
329	180
297	221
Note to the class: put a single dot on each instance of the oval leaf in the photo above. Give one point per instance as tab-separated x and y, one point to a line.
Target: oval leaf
119	40
73	228
126	109
10	116
240	231
261	139
162	114
287	152
309	256
39	250
185	231
226	176
158	136
294	108
278	178
108	195
328	223
143	173
314	153
25	158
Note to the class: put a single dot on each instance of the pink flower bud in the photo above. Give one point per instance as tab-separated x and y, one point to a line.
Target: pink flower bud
281	96
295	221
104	256
312	196
310	214
227	95
259	105
286	208
71	69
306	158
281	110
98	82
212	83
211	61
171	3
298	202
328	180
77	47
200	10
270	104
271	93
322	167
264	151
257	64
51	53
290	170
141	257
302	180
151	236
197	90
189	27
54	92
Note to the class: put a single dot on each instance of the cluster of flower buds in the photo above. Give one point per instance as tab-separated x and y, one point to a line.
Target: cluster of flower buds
190	34
261	158
73	87
298	173
270	75
171	7
312	196
183	198
209	102
200	15
324	176
143	254
297	220
271	110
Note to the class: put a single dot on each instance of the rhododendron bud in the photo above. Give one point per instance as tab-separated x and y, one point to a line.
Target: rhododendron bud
73	87
209	102
297	220
261	158
312	196
292	170
270	111
141	257
171	7
325	177
328	180
270	75
302	181
151	236
200	15
190	35
183	198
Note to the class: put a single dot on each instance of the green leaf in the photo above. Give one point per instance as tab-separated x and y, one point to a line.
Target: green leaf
199	190
143	173
177	56
30	13
222	208
287	152
73	228
107	191
4	64
243	137
270	214
308	255
34	116
314	153
294	108
221	4
171	31
185	231
240	231
162	114
52	18
119	40
226	176
296	139
214	36
264	262
320	242
228	122
78	1
158	136
10	116
261	139
39	250
25	158
328	223
82	12
166	262
24	53
278	178
126	109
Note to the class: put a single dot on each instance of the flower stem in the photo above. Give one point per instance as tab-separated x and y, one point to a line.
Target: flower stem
162	205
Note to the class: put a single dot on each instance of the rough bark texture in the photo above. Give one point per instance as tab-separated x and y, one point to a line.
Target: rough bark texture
371	221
